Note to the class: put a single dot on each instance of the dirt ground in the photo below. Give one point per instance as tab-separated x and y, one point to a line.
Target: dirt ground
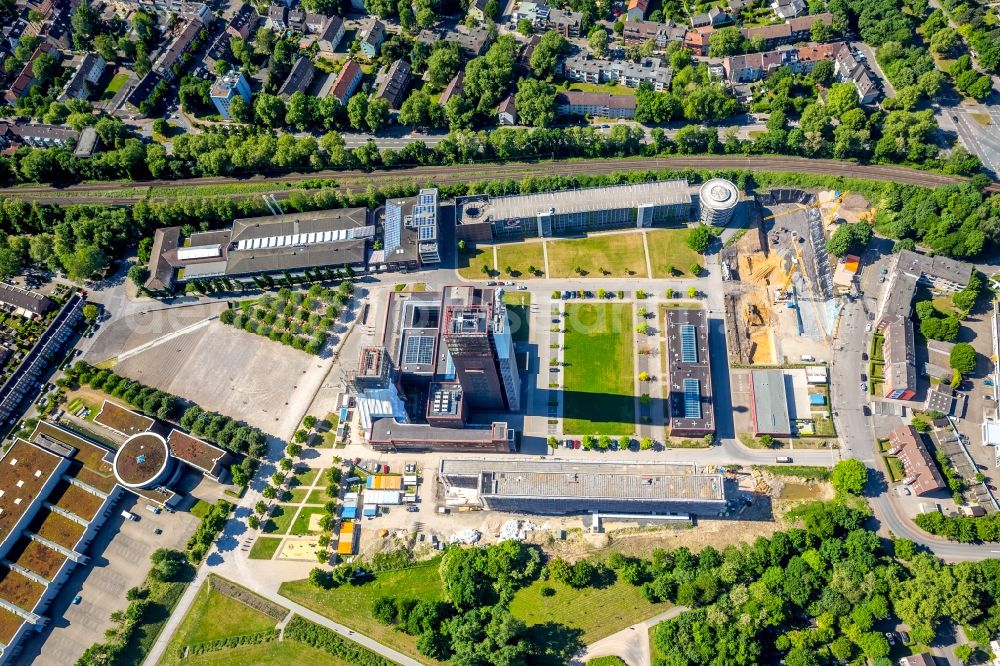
245	376
121	335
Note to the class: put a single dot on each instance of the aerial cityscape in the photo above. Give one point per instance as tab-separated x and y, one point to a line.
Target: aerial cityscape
500	332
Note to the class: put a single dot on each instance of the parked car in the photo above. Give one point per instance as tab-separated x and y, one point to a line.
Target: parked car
891	637
904	637
413	508
385	469
77	599
576	444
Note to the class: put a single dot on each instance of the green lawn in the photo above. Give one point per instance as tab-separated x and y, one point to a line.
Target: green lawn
280	519
668	248
116	83
301	525
896	470
264	548
607	255
613	89
944	306
304	476
521	257
329	431
351	605
318	497
599	370
212	616
472	260
268	654
519	313
200	509
595	612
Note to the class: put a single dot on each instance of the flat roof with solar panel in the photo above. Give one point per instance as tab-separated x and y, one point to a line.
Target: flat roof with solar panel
689	373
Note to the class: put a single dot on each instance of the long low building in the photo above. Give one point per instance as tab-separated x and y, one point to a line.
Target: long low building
390	435
558	488
482	217
689	373
922	475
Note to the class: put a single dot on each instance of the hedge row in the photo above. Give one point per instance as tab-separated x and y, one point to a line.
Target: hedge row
263	636
328	641
248	598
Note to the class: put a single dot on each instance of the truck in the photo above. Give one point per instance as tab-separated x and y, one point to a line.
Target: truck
783	459
806	358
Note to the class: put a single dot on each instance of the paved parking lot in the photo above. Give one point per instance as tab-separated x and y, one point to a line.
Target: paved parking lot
119	560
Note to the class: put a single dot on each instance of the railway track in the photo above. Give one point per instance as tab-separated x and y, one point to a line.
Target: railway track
452	174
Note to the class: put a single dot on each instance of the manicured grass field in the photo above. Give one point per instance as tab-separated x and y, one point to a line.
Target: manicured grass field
521	257
896	470
301	525
318	497
116	83
264	548
472	260
595	612
297	495
599	371
214	615
200	509
668	247
616	254
268	654
351	605
280	519
519	313
304	476
944	306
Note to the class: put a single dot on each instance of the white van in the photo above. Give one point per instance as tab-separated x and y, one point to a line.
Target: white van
806	358
129	515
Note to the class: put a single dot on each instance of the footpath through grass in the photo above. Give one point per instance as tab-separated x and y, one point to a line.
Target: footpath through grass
351	605
599	372
596	612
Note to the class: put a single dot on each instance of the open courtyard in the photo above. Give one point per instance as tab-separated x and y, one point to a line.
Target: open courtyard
599	366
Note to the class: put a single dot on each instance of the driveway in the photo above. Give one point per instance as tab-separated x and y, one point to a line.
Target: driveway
630	644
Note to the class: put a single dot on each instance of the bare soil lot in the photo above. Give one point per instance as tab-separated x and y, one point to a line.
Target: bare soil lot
239	374
120	335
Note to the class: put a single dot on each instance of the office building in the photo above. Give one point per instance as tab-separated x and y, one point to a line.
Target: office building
717	199
226	88
480	217
409	232
552	487
689	374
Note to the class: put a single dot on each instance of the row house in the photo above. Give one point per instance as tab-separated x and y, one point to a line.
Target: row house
545	18
604	105
752	67
794	30
173	56
87	71
639	32
848	68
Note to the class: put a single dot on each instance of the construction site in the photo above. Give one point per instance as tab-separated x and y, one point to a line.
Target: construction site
780	297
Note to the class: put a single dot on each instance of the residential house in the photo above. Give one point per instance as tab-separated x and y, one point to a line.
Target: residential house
900	372
25	80
299	79
296	19
639	32
395	84
134	99
169	62
788	9
794	30
604	105
226	88
472	42
922	475
848	68
277	16
346	82
585	68
330	36
88	69
455	88
697	40
544	18
244	22
637	10
371	38
507	111
35	134
477	10
315	23
756	66
714	18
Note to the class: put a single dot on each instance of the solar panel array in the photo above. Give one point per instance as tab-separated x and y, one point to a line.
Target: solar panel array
692	399
689	344
425	215
393	226
419	350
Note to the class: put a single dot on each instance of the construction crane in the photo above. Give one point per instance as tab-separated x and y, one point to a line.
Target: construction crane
839	198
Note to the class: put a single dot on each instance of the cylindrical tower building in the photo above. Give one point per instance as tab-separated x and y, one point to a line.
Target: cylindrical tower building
717	199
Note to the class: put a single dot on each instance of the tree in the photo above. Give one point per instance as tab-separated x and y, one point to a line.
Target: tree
535	102
90	312
849	238
419	110
841	98
699	238
849	476
167	563
269	110
442	65
904	549
725	42
309	421
301	110
84	24
545	57
766	441
963	358
525	27
598	42
964	653
822	73
377	115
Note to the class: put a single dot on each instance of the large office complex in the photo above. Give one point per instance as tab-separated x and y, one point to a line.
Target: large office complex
689	374
409	232
558	488
446	362
482	217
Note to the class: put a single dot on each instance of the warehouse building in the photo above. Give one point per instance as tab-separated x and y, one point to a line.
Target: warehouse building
560	488
482	217
769	404
689	374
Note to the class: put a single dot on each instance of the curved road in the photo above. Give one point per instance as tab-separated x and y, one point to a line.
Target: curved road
444	175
